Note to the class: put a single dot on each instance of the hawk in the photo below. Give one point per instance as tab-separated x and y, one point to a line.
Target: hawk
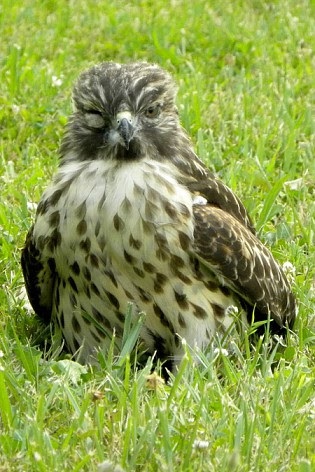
134	216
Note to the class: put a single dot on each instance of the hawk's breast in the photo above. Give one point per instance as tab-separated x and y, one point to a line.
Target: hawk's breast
124	232
146	214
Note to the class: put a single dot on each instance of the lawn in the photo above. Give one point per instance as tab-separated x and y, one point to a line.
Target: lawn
244	70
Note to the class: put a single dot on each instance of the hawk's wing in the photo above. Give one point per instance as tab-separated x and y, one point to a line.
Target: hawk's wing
219	195
39	276
200	181
228	247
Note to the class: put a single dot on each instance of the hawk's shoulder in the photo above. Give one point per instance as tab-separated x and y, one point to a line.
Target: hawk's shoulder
201	182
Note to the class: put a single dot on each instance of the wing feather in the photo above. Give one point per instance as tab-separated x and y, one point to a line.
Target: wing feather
39	276
242	262
195	176
219	195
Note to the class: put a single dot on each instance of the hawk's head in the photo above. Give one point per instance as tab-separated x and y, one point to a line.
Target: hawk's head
123	111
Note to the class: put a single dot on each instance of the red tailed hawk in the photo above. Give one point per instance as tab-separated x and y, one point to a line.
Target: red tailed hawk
134	216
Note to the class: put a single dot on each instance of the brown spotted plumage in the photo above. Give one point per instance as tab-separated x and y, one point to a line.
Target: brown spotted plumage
133	216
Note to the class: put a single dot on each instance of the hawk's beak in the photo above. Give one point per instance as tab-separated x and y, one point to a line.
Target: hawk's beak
125	127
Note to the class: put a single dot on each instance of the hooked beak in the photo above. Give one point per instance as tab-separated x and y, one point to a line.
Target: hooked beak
125	127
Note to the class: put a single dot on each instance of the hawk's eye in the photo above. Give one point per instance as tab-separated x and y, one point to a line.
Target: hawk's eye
153	111
94	119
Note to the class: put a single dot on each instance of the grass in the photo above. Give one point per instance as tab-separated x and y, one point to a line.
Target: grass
244	70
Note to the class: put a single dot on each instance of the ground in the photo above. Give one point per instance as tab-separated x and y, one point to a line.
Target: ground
244	70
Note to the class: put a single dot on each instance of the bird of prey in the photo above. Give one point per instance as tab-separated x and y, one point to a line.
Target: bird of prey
133	216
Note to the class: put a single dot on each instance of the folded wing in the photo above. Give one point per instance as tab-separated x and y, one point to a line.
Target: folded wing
230	249
39	276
